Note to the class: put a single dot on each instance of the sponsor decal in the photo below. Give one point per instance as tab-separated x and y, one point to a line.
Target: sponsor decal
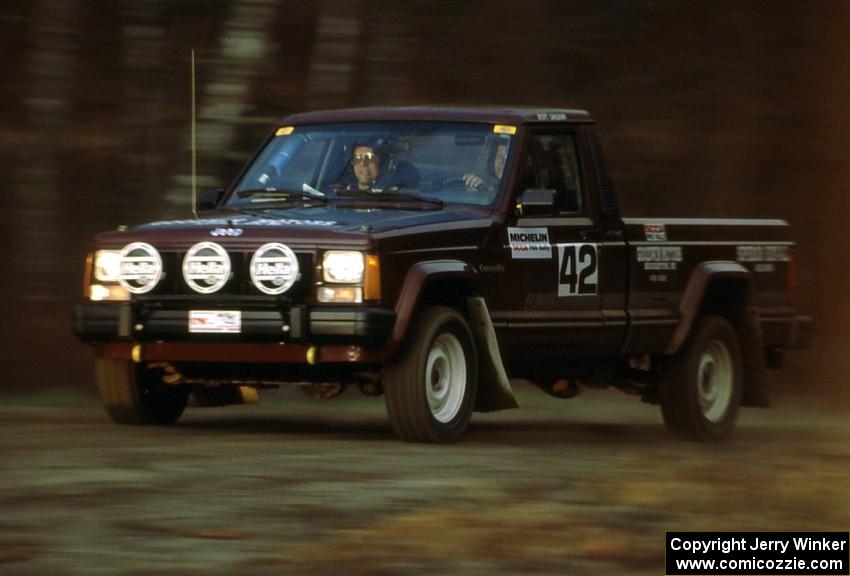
659	257
578	270
551	116
231	232
242	222
215	321
290	222
655	232
768	253
529	243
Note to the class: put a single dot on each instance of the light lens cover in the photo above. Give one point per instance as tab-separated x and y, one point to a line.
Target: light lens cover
372	280
347	294
206	267
343	267
107	265
274	268
141	268
114	292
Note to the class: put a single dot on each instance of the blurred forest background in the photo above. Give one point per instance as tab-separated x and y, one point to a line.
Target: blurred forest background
721	108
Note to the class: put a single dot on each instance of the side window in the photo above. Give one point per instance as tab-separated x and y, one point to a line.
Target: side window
554	164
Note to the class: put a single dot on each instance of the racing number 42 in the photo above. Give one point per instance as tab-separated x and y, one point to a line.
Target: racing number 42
578	270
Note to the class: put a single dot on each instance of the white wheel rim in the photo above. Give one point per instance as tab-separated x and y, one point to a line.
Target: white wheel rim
445	377
714	381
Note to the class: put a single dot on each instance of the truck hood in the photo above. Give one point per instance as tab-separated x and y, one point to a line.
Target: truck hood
316	224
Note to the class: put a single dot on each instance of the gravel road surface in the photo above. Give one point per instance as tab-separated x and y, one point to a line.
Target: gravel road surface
298	486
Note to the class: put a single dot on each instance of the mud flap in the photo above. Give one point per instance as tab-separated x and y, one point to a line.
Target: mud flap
756	391
494	389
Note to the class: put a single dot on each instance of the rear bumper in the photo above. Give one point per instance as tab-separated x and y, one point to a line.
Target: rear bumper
114	328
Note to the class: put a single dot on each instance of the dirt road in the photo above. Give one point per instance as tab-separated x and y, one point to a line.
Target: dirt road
586	486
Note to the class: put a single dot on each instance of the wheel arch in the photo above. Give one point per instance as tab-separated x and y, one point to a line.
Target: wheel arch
446	282
725	289
455	284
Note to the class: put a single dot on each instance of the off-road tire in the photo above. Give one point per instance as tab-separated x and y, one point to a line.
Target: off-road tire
701	388
133	394
430	389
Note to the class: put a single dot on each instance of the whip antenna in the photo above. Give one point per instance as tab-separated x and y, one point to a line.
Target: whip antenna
194	146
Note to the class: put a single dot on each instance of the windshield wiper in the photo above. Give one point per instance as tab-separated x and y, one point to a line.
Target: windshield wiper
239	210
417	196
391	195
279	193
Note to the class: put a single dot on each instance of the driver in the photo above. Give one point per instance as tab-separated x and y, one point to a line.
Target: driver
495	168
371	173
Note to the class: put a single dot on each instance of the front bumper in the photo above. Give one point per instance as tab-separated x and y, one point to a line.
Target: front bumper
113	323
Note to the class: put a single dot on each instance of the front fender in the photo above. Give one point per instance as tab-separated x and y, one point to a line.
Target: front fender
417	278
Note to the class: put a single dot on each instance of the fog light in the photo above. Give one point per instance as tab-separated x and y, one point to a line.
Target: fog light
340	294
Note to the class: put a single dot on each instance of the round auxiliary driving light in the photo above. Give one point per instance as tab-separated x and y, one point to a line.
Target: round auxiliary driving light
140	267
206	267
274	268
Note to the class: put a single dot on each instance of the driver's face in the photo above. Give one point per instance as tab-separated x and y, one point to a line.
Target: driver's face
367	165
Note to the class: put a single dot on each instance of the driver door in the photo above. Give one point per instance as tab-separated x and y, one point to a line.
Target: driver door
553	302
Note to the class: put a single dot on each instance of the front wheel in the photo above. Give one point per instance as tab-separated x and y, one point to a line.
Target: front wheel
135	394
701	389
430	389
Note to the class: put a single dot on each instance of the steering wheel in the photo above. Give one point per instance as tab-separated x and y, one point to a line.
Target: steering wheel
453	182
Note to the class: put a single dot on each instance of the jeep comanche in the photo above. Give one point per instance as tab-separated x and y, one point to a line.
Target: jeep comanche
430	255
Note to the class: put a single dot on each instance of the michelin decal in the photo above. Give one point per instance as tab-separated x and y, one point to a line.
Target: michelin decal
529	243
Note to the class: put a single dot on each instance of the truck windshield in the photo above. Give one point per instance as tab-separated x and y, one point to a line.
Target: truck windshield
456	163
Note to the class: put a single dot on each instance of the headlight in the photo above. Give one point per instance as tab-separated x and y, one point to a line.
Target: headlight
107	265
342	267
103	272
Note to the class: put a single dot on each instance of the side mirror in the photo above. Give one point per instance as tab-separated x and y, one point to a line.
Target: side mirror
535	202
209	199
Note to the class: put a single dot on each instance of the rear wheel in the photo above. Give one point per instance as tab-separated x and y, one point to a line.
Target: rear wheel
134	394
430	389
701	389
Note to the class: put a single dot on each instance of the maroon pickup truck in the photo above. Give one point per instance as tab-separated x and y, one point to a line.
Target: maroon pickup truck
429	255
